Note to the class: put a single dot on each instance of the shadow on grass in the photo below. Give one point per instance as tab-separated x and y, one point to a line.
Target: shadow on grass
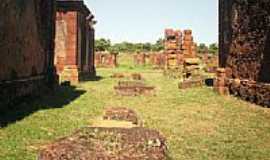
95	78
58	98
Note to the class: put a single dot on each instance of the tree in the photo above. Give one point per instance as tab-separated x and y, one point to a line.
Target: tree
102	44
202	48
213	48
158	46
147	47
127	47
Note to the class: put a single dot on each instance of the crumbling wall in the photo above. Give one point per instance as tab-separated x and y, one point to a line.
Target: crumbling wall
244	43
140	59
106	60
26	46
250	24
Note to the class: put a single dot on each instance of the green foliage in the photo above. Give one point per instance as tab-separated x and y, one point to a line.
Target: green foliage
213	48
202	48
127	47
159	45
102	44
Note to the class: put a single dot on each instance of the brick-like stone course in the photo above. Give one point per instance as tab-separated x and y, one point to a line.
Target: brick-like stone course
244	49
74	52
26	46
105	59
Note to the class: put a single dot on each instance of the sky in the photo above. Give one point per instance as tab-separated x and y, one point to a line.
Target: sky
146	20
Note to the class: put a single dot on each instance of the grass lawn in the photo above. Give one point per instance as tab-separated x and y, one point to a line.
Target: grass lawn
198	123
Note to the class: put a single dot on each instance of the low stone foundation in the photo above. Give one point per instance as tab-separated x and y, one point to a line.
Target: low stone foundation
133	88
121	114
251	91
136	76
117	137
118	75
190	84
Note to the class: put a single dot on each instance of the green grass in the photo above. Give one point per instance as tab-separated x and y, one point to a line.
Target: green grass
198	123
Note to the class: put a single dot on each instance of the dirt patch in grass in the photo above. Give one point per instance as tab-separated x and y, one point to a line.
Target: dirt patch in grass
108	143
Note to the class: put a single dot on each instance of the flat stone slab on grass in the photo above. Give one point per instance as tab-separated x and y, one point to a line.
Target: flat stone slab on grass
190	84
133	88
93	143
118	75
121	114
136	76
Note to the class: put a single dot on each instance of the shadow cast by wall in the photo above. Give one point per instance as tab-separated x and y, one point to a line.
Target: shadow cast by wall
93	78
264	74
58	98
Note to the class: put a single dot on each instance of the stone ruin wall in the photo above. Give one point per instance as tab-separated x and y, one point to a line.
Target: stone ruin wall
178	46
244	49
106	60
26	46
65	39
74	49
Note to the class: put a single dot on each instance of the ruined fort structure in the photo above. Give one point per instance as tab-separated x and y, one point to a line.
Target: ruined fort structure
244	50
26	47
178	46
173	47
140	58
74	42
106	59
189	47
157	59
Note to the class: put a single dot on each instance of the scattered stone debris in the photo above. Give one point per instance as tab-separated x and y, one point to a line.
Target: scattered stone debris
133	88
121	114
191	74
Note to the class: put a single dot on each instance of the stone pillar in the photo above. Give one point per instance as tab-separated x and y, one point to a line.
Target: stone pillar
220	82
71	69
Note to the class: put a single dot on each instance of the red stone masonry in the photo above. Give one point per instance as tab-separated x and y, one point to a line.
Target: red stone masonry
244	48
106	60
178	46
26	47
74	58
